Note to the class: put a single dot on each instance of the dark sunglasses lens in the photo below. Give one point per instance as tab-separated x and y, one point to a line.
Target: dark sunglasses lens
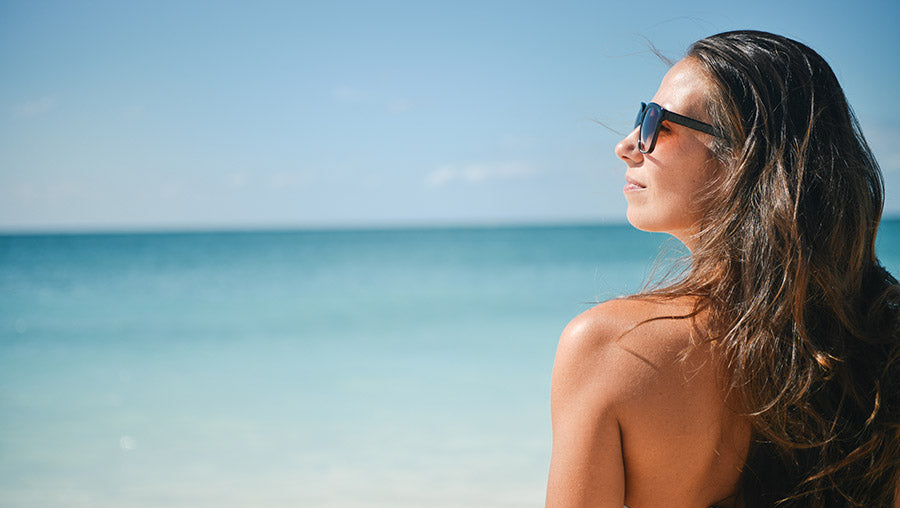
648	127
640	116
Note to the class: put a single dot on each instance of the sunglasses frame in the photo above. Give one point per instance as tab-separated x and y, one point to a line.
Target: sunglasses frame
665	114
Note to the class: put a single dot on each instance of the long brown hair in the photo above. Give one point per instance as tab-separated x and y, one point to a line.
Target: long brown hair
803	313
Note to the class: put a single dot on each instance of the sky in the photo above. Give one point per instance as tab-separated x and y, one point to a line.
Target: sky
203	115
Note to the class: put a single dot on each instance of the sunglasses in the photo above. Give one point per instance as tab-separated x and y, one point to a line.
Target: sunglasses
651	116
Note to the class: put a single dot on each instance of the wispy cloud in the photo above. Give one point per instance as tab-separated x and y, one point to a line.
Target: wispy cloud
36	107
478	172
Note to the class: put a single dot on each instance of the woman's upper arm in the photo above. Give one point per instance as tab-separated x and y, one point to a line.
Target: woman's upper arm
586	468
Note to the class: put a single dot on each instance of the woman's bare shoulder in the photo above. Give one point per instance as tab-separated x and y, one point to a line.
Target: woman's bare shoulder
642	325
624	346
632	310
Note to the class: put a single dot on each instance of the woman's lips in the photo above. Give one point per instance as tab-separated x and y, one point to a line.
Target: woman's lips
632	185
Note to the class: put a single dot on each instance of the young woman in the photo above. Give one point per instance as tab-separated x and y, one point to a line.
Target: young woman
769	373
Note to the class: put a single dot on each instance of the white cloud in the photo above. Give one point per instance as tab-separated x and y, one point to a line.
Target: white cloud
36	107
478	172
127	443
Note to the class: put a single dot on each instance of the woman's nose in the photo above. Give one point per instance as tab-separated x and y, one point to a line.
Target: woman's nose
627	149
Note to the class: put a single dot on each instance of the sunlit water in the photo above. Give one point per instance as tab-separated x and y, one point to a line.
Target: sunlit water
395	368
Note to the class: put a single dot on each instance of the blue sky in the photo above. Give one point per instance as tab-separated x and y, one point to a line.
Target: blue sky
180	114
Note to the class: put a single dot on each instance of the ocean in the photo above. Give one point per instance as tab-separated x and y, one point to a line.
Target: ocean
345	368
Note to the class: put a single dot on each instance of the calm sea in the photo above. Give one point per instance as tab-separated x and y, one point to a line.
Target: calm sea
394	368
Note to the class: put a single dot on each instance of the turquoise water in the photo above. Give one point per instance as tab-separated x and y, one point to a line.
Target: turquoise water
400	368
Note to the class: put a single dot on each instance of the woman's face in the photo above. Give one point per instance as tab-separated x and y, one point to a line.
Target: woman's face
663	187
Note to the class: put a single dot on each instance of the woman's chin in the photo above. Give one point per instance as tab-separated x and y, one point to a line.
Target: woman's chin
641	221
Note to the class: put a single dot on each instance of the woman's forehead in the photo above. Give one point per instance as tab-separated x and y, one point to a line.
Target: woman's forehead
684	89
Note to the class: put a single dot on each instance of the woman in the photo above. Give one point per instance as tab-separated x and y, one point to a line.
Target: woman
769	373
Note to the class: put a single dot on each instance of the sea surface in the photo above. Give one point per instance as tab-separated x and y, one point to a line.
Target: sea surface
346	368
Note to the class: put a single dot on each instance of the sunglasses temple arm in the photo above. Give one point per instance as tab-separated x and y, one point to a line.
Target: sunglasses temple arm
693	124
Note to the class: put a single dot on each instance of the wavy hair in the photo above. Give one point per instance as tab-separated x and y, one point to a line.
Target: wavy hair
796	301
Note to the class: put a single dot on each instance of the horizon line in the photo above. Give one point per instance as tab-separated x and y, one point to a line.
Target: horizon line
300	227
125	229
